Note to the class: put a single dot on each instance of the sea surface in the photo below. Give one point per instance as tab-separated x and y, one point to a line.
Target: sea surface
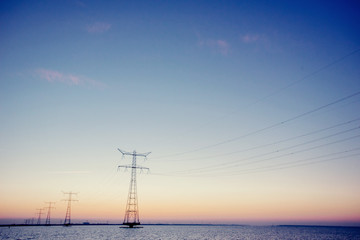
173	232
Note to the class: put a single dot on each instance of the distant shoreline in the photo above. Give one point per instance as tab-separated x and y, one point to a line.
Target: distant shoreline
168	224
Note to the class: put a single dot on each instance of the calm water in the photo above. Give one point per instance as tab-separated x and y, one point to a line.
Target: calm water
179	232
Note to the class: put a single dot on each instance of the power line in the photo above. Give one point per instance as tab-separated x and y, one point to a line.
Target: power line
334	62
302	161
298	163
267	153
224	166
301	151
308	75
266	128
315	162
273	143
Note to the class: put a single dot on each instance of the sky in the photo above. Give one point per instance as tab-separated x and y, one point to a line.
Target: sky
250	110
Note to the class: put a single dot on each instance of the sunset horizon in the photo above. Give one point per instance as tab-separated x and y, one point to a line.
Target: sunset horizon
186	112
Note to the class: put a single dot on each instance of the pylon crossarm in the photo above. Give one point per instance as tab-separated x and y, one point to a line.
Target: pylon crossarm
124	152
143	154
125	166
142	169
129	166
134	153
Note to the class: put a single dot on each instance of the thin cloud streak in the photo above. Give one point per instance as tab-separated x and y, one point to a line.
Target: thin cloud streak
219	45
250	38
98	27
69	79
268	42
69	172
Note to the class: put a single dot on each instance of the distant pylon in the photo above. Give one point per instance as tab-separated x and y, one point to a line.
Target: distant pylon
67	220
49	207
39	212
132	212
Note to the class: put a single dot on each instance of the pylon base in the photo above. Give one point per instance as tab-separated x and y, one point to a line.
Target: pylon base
131	225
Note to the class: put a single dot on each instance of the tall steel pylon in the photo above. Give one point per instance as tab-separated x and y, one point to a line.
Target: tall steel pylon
49	207
67	221
132	211
39	212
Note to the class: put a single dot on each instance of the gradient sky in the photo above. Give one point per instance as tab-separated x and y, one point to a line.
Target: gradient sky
250	109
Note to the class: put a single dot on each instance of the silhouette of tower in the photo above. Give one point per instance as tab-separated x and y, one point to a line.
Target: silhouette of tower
39	215
132	212
47	222
67	221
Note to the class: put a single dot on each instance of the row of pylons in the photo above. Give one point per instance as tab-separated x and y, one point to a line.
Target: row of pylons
131	217
49	207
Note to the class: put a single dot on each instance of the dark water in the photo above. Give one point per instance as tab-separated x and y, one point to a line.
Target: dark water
179	232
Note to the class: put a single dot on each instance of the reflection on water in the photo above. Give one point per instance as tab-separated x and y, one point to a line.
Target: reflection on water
179	232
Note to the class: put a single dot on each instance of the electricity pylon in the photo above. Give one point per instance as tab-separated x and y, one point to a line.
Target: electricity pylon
39	212
47	222
67	220
132	212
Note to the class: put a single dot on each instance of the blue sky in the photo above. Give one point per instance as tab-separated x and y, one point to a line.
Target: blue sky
79	79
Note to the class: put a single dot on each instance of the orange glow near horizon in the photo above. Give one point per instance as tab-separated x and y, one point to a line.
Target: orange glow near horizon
178	212
265	205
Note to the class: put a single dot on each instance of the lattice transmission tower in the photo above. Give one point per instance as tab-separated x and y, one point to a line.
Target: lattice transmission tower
49	207
39	213
132	211
67	221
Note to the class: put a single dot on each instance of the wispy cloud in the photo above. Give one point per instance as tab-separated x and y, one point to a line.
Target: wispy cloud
69	172
98	27
69	79
219	45
270	41
250	38
80	4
